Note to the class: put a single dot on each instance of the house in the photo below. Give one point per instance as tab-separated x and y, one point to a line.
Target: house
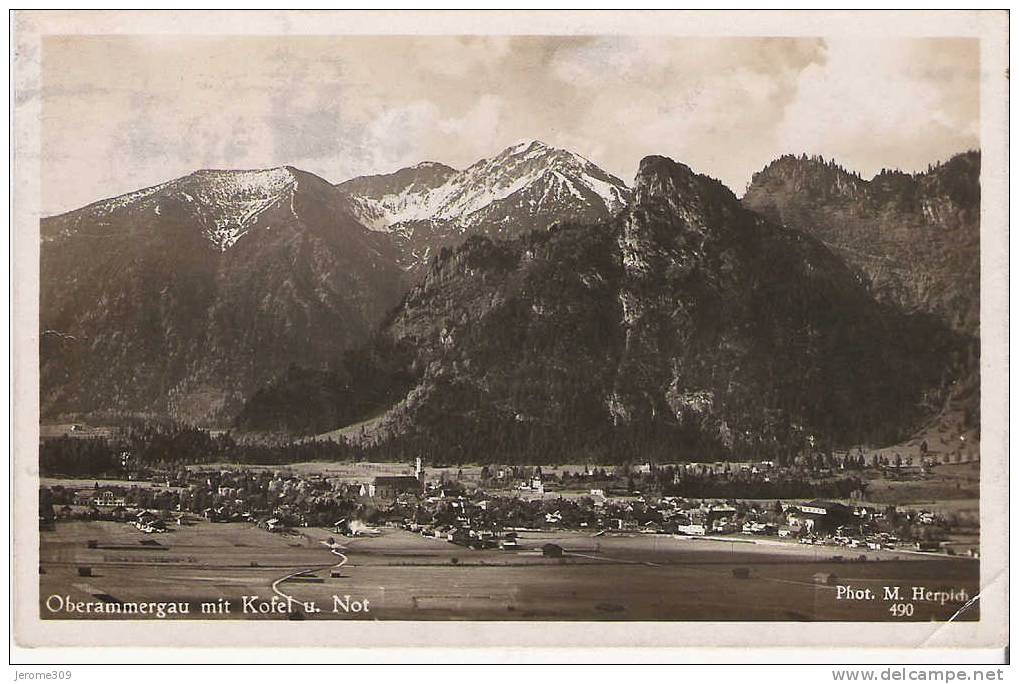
720	511
819	515
459	536
814	508
107	499
723	526
552	551
826	508
692	530
391	486
825	578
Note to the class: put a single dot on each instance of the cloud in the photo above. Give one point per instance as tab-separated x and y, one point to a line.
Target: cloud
395	133
480	124
875	104
712	103
121	112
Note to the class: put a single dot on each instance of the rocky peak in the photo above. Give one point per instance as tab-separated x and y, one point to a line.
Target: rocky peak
526	147
914	236
697	200
812	176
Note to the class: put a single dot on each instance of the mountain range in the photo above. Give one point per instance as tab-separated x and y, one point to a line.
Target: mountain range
686	326
529	186
528	303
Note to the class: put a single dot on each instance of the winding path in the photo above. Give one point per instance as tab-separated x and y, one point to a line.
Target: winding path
335	566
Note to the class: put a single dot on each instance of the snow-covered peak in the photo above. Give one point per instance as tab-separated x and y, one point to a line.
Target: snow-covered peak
226	202
253	181
611	190
231	201
383	202
533	147
425	165
217	189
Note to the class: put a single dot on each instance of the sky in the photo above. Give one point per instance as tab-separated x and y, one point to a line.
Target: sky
125	112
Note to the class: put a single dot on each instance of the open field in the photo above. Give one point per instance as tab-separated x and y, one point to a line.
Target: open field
405	576
203	562
90	482
79	430
947	483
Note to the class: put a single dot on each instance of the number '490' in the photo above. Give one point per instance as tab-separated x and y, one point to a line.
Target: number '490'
901	609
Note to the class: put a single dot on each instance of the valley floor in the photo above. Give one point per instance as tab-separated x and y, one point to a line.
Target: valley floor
403	576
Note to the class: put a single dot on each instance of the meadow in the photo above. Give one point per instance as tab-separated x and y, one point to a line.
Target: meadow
404	576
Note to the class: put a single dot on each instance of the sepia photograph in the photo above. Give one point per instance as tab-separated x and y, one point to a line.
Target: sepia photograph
632	320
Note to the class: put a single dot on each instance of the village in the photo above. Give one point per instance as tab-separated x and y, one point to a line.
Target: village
488	508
